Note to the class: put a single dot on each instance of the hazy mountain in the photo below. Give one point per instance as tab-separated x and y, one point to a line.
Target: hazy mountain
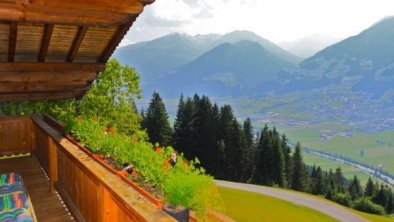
161	56
237	36
309	45
365	62
173	51
226	70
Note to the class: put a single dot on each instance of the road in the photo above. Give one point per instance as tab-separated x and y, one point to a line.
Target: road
333	210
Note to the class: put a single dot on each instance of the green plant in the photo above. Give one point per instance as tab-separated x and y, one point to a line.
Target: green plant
366	205
193	190
183	184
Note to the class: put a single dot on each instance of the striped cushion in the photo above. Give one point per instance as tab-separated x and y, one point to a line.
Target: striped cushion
16	215
8	178
14	200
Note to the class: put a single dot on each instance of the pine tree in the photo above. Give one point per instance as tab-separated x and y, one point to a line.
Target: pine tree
248	151
354	189
389	205
260	173
278	160
287	159
183	127
380	197
339	180
298	175
229	132
156	122
369	188
318	182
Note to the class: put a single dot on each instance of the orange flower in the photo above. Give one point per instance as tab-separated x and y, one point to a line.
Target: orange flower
112	131
167	164
105	130
158	149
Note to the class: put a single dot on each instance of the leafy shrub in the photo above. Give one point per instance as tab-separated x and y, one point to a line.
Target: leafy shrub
342	198
366	205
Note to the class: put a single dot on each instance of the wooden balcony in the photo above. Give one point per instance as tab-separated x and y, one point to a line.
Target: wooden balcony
57	166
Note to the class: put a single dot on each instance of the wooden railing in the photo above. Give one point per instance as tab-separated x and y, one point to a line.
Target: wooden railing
90	191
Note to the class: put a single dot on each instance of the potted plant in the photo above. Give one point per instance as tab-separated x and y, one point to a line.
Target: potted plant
190	191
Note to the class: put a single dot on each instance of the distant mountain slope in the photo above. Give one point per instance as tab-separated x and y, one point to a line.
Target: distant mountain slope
228	69
365	62
309	45
163	56
158	57
237	36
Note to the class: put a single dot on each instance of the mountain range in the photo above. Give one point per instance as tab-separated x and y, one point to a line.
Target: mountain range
308	46
243	63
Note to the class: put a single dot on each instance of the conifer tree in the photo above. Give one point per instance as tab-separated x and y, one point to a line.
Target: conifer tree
389	205
248	151
318	182
278	167
183	127
156	122
354	189
369	188
298	175
287	160
339	180
380	196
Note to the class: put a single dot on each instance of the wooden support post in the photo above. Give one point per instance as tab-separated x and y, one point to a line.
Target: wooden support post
12	41
46	39
52	164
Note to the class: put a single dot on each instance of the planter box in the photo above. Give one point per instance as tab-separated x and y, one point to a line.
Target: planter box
122	174
157	202
180	215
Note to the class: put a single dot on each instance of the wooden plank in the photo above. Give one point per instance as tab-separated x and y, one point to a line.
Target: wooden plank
45	43
15	136
12	41
56	77
118	36
50	67
77	43
39	96
47	206
52	164
37	87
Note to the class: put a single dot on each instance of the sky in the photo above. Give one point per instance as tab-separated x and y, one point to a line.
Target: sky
275	20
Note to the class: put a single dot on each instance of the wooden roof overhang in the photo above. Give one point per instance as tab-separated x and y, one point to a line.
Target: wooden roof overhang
53	49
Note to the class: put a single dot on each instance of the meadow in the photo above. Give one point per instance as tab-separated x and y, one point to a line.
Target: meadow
247	206
372	148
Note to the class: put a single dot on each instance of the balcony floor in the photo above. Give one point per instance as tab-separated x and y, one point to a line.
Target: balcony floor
47	206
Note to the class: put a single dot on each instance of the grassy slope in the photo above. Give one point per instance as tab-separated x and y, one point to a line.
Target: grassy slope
247	206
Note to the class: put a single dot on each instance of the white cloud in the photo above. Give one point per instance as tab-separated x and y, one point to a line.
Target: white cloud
276	20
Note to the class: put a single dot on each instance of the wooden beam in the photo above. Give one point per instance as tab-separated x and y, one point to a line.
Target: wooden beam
36	87
26	67
76	43
39	96
12	41
116	38
54	77
46	39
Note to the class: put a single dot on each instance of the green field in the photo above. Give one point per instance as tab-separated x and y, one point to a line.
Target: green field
247	206
378	148
325	164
